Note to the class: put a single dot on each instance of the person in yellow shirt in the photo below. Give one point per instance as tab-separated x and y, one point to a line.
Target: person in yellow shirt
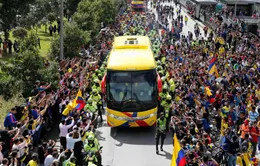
221	50
221	41
244	156
224	126
34	160
257	92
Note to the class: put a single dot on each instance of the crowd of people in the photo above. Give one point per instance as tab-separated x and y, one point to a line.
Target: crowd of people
214	113
25	140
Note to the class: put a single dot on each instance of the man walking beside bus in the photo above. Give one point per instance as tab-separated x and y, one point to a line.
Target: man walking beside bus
160	131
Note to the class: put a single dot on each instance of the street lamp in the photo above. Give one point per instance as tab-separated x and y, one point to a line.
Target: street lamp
61	33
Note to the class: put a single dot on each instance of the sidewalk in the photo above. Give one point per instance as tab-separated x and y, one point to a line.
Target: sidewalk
191	21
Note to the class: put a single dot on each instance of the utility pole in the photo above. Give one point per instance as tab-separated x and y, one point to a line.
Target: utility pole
61	32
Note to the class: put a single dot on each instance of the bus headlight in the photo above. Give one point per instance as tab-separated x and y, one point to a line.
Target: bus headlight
144	117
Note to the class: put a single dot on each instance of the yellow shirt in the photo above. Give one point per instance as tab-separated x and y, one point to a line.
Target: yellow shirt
257	92
177	98
221	50
223	128
206	50
226	108
32	163
221	41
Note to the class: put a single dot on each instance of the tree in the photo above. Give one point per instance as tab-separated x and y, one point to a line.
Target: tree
40	13
87	16
74	38
10	10
27	67
107	11
9	86
71	7
90	14
51	17
20	33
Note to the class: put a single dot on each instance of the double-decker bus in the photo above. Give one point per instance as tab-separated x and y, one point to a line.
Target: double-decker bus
131	83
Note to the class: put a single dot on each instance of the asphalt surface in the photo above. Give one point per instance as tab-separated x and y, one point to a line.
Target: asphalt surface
133	147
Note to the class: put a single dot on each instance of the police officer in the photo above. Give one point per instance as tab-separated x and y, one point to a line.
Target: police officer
172	87
167	110
160	131
97	98
93	147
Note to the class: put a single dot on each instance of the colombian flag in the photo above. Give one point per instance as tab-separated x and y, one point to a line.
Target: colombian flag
212	66
178	156
79	102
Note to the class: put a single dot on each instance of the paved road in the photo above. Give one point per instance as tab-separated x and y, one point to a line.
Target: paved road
133	147
136	146
191	21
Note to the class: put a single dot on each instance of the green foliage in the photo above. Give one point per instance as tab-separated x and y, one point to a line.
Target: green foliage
55	49
87	16
107	11
20	33
6	105
40	12
30	43
71	6
90	14
74	38
51	74
51	17
9	11
9	85
25	68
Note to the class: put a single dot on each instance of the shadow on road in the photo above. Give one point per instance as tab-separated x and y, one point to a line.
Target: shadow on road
166	154
137	136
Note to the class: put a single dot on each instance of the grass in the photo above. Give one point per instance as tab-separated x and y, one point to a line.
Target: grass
45	39
5	106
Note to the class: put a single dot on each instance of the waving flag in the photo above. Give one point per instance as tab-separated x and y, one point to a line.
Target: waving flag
178	156
79	102
212	66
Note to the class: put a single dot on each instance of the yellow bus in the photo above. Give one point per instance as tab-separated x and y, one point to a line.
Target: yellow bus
137	5
131	84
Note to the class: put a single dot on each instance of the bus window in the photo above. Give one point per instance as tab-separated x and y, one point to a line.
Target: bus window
132	91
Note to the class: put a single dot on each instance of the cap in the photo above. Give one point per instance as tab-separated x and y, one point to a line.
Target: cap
34	155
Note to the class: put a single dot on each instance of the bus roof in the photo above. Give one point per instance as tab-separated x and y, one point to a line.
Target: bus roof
138	41
131	53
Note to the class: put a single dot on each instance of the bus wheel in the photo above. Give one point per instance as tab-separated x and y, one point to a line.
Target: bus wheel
113	132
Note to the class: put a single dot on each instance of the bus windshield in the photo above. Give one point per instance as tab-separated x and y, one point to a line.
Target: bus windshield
131	91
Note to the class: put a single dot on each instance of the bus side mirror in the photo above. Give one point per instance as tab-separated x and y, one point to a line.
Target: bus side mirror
159	83
103	84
